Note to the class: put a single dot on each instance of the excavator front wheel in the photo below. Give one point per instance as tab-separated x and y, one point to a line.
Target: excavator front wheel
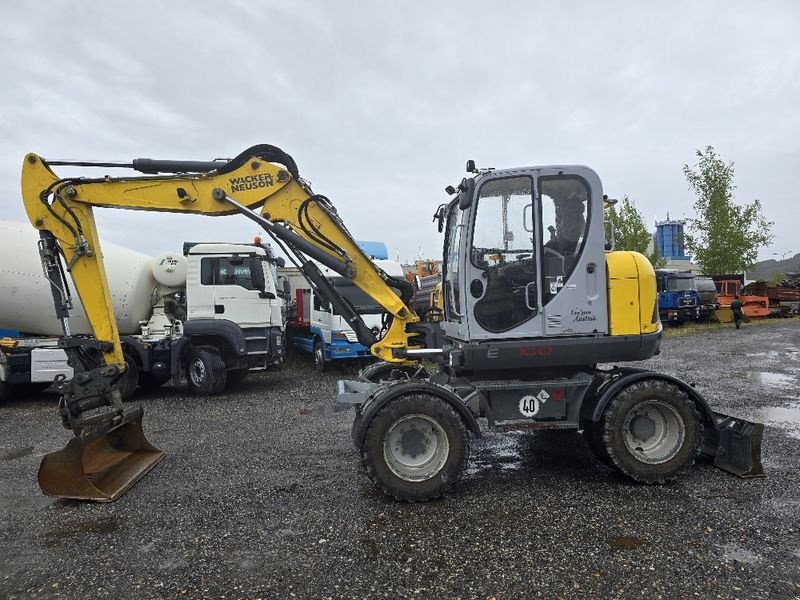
384	372
416	447
651	431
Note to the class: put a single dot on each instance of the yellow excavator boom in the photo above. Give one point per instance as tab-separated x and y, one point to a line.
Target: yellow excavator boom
263	183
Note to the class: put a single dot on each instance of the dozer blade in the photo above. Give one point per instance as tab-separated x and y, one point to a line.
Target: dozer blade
735	446
101	467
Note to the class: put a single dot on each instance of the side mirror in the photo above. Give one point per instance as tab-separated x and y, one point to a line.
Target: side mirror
465	190
438	216
257	274
471	166
287	289
280	262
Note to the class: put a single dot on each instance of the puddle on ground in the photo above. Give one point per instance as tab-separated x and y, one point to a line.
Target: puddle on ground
786	417
764	378
500	453
625	542
18	453
102	526
734	553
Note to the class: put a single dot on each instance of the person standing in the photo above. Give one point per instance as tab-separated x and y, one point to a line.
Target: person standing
738	315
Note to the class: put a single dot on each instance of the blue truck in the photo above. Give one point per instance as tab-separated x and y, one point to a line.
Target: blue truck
678	298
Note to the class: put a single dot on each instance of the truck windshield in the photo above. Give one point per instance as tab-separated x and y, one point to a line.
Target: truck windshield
681	285
705	285
359	299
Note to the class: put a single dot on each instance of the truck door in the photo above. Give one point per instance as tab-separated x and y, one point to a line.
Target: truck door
236	294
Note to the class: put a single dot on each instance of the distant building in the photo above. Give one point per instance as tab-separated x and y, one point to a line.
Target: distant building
669	241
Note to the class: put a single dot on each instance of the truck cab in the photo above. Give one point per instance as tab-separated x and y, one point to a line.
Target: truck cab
678	299
314	326
707	291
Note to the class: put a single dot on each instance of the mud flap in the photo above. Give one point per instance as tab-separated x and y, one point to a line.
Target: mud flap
735	446
100	467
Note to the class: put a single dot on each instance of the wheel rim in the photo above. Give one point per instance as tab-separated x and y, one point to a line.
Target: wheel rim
197	371
416	447
654	432
319	357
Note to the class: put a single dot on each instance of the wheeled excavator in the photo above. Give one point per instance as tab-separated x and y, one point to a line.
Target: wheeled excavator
536	306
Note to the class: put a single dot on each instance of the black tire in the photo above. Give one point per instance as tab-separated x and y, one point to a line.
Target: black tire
382	371
6	391
236	376
129	380
390	452
652	431
593	436
205	371
319	355
149	381
355	430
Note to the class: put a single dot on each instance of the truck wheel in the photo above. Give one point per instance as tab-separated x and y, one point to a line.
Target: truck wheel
129	380
652	431
319	355
382	371
149	381
5	391
205	371
416	447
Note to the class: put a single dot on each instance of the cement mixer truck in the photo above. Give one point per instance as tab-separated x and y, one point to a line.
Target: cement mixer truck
211	314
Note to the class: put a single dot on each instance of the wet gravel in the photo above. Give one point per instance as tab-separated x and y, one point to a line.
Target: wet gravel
262	496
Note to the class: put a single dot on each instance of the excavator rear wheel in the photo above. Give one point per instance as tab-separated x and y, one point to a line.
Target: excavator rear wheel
651	431
416	447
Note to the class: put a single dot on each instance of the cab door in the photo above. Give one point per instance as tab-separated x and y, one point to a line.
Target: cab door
572	275
501	268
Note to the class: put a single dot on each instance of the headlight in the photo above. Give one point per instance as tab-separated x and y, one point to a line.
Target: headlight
339	335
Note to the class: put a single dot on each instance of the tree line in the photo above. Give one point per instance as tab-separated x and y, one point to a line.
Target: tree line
722	236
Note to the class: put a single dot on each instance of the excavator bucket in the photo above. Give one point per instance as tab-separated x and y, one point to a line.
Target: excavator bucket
735	446
101	468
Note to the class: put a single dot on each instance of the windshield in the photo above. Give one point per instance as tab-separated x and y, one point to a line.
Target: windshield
355	296
705	285
681	285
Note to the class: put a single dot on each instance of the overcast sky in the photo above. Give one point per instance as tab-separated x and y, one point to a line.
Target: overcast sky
381	103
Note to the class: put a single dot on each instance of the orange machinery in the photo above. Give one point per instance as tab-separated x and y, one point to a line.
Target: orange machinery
753	307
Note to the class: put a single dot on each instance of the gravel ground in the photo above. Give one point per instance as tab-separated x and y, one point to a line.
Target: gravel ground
262	495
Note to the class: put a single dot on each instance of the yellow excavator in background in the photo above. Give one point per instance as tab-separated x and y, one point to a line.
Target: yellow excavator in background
526	321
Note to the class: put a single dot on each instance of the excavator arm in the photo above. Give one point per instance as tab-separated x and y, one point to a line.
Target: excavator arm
262	183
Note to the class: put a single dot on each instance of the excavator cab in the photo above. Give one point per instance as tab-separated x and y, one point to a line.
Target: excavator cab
525	263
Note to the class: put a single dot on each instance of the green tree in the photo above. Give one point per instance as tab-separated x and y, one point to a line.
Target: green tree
724	237
630	232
